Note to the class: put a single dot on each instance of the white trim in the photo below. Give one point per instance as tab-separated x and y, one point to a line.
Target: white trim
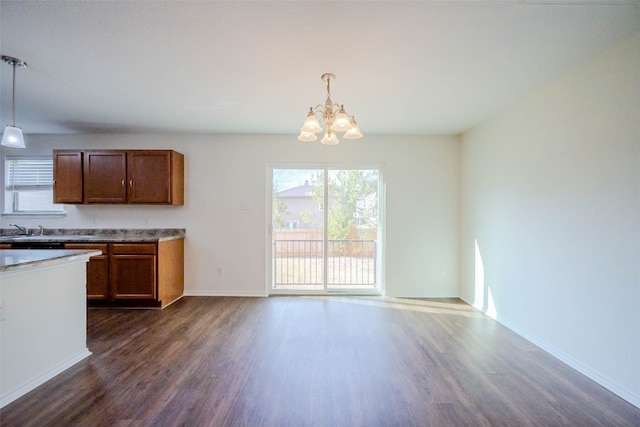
382	231
325	229
612	386
268	220
224	294
52	214
9	397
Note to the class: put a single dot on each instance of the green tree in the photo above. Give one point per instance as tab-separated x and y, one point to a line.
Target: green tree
348	201
279	209
307	217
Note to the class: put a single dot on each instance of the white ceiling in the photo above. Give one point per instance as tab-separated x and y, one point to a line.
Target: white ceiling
421	67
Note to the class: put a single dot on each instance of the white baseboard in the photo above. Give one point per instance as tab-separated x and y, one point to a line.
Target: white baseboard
25	388
188	293
575	364
613	387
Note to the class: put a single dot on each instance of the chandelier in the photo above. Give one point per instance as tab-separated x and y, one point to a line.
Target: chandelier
336	119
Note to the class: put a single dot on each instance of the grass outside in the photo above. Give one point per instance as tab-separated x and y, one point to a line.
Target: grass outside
342	271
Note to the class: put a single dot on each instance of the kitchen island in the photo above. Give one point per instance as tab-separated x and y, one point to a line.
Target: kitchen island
42	316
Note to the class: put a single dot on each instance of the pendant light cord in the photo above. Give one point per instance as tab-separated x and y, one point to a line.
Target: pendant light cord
13	100
14	62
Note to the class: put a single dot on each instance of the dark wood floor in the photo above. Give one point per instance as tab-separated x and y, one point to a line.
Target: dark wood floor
307	361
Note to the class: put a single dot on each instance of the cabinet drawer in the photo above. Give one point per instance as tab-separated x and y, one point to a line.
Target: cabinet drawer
98	247
134	248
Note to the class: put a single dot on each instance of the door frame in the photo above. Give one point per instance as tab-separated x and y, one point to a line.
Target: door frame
381	232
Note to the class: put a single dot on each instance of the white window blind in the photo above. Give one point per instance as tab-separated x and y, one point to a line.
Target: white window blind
28	185
29	173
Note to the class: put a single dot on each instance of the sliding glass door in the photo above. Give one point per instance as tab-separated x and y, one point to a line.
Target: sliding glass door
325	230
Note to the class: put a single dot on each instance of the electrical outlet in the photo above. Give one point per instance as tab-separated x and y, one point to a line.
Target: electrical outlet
443	272
220	271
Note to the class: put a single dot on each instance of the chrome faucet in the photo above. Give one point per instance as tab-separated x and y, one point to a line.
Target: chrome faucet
41	230
22	230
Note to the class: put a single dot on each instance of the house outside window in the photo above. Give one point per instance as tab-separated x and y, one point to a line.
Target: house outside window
299	208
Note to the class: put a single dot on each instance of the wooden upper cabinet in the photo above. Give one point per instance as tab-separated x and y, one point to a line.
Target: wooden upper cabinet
155	176
105	174
119	176
67	172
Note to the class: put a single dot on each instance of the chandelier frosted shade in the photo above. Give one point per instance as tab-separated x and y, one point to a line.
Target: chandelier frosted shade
12	137
307	136
330	138
335	117
341	122
354	131
311	124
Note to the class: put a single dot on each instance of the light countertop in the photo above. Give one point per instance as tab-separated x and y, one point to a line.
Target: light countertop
96	235
15	259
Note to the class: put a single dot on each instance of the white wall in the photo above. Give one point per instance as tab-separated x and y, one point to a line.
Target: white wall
421	175
551	197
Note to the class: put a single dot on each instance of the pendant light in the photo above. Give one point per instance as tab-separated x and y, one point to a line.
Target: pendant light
12	136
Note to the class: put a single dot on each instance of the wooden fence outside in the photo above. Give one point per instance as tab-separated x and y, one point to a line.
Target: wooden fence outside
308	243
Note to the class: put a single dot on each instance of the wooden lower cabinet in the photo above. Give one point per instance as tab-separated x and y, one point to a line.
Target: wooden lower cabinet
133	271
135	274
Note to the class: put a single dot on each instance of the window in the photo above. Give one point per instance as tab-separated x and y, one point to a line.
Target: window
28	185
291	224
336	248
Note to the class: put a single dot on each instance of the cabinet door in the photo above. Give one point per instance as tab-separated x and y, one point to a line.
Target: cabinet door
104	177
67	177
98	278
149	174
97	271
133	276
